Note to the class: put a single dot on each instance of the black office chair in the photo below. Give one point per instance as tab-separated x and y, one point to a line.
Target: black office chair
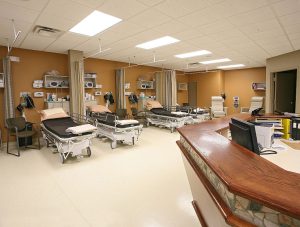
140	116
122	114
19	128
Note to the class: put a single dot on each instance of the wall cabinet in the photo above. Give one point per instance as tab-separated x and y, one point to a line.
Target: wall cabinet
145	84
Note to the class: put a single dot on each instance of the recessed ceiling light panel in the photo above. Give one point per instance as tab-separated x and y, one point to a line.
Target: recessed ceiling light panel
230	66
163	41
94	23
215	61
193	54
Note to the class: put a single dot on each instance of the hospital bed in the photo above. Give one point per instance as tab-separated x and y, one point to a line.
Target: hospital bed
109	126
197	114
68	134
159	116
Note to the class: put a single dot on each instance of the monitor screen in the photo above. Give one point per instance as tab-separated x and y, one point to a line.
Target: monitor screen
243	133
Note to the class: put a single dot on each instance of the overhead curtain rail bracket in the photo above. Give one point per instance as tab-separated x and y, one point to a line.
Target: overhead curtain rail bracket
16	36
98	52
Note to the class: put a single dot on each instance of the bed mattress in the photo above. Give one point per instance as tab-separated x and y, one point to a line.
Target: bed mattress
58	126
163	112
109	119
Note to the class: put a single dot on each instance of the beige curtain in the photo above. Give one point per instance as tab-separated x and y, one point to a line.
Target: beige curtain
8	89
120	89
166	87
76	72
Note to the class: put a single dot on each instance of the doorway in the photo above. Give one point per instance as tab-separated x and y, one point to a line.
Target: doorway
284	88
192	94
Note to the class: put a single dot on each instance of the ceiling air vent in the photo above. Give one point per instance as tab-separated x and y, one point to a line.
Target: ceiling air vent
194	64
46	31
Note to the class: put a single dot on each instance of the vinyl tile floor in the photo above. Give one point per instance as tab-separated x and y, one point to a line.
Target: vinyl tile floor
144	185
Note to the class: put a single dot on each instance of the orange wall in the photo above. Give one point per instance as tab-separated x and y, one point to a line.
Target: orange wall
239	83
182	96
34	64
208	84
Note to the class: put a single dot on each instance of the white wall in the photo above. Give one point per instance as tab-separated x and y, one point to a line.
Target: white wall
282	63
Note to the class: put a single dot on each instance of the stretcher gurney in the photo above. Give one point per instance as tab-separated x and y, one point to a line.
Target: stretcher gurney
56	132
197	114
124	131
165	118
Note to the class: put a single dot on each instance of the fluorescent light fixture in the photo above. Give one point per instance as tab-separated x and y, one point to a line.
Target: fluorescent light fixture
193	54
166	40
230	66
215	61
94	23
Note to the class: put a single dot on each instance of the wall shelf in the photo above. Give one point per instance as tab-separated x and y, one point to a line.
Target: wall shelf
90	80
55	81
145	84
1	80
182	86
259	86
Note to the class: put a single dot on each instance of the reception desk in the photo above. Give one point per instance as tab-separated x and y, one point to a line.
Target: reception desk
232	186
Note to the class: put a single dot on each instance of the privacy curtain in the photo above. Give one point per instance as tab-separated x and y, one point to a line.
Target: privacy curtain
166	87
120	89
76	72
8	89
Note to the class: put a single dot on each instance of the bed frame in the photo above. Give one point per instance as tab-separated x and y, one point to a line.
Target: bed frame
73	146
126	135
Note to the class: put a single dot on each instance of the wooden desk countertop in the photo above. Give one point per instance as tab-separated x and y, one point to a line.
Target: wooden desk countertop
243	172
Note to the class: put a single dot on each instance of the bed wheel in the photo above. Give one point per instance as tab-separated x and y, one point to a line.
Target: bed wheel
47	142
172	130
88	151
62	158
113	144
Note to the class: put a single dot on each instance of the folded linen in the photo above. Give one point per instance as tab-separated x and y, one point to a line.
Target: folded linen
126	122
179	113
81	129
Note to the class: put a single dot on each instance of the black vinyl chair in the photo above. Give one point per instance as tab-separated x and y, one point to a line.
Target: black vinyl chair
19	128
122	114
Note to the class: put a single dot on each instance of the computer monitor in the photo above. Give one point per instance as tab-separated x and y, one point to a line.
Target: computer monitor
243	133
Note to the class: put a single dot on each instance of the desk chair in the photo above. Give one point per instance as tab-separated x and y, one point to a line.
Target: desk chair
122	114
217	107
18	127
140	116
256	102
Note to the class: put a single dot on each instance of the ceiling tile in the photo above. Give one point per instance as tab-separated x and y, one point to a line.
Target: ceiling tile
171	27
199	18
216	27
122	9
149	18
67	41
290	19
179	8
67	9
90	3
151	3
55	21
286	7
35	42
6	31
254	16
15	12
32	4
126	29
296	43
